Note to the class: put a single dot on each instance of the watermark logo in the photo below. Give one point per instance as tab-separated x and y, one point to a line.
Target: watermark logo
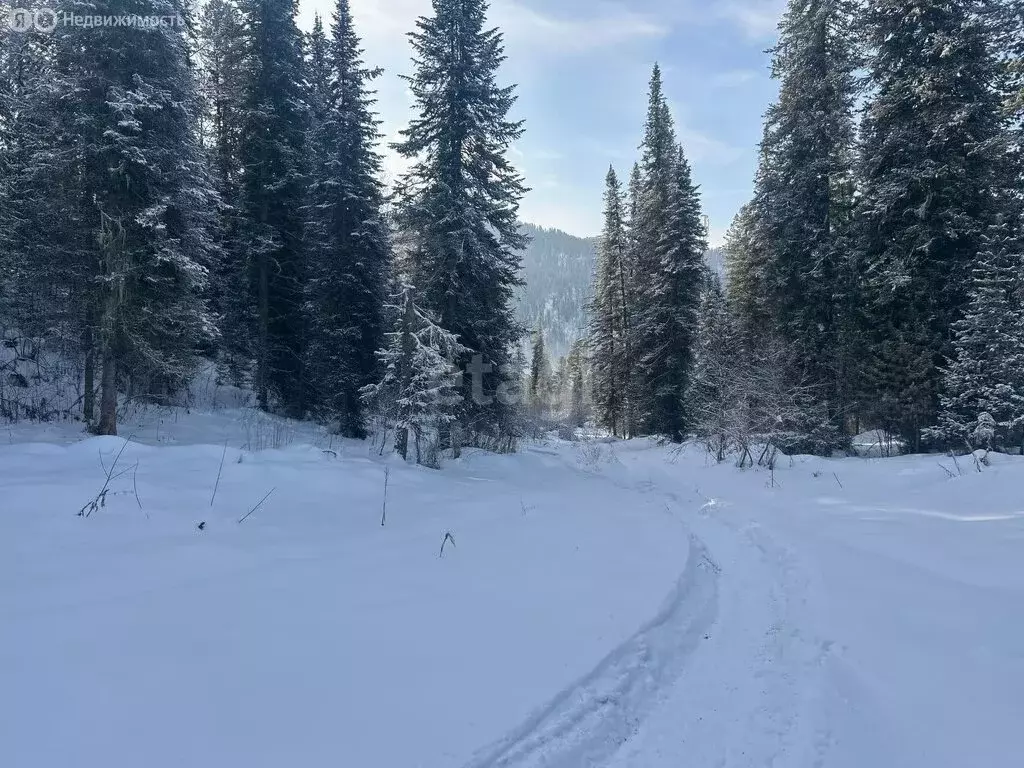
46	20
20	20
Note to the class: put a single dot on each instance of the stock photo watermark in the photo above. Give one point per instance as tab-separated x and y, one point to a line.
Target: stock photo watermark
46	20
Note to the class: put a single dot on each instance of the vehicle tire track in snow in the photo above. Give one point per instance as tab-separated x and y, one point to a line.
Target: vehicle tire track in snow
588	721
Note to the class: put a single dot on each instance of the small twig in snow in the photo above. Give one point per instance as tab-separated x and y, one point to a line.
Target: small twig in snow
101	497
219	470
384	506
258	505
837	479
135	485
447	537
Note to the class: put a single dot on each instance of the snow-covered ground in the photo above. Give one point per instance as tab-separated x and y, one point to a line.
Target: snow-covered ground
602	604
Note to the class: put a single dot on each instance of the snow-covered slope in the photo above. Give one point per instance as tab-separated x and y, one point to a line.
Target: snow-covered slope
602	604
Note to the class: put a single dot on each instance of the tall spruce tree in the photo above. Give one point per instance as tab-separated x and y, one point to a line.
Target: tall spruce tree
576	384
111	143
609	309
929	161
25	61
271	146
47	247
539	386
348	246
222	61
1009	36
632	290
670	242
804	195
650	202
716	397
745	278
459	202
983	385
222	55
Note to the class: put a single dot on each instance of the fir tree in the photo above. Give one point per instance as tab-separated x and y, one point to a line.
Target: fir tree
632	290
25	65
348	245
676	298
929	158
982	401
576	376
804	196
715	397
745	277
270	153
539	387
1009	36
459	202
221	39
114	148
222	56
669	242
608	315
418	396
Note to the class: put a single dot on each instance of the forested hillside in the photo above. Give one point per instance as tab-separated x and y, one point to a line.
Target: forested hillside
558	268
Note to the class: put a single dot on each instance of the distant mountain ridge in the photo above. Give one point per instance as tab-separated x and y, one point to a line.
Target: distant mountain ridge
558	269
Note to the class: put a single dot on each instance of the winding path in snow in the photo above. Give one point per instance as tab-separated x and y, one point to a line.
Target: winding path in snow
726	675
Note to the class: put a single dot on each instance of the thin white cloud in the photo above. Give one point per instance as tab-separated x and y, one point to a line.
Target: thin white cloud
758	19
611	25
735	78
701	148
546	155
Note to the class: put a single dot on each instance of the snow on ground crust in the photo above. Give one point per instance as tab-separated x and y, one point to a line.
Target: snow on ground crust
308	634
872	613
605	604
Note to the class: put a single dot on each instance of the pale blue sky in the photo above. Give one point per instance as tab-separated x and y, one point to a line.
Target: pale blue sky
582	67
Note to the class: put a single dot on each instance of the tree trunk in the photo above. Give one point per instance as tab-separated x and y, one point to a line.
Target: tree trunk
115	267
402	442
108	396
89	396
456	438
264	333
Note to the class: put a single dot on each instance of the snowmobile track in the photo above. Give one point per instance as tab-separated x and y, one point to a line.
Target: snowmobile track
586	723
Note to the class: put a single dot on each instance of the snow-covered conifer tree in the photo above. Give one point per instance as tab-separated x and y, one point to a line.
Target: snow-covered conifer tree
984	381
458	204
929	167
609	309
419	395
272	162
348	249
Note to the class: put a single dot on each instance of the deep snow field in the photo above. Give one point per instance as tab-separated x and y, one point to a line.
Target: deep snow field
602	604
